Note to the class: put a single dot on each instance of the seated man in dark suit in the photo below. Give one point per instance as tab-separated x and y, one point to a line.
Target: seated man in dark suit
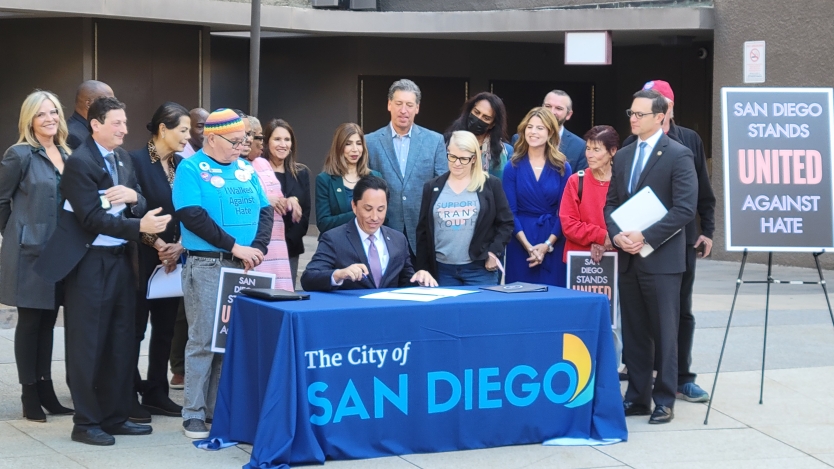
363	254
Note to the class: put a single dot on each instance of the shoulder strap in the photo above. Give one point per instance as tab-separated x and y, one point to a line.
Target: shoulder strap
581	174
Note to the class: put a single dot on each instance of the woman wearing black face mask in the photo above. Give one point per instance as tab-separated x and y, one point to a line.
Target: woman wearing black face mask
485	116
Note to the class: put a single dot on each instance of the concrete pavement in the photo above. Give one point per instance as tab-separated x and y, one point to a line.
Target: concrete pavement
793	428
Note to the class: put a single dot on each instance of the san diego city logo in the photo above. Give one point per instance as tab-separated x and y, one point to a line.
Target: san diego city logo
446	390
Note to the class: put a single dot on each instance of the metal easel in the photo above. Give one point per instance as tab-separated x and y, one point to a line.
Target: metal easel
769	281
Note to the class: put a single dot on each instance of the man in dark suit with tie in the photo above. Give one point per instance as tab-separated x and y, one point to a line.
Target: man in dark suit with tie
687	388
363	253
649	287
103	209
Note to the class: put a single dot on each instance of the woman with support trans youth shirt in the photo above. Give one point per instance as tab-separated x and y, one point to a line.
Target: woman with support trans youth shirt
465	220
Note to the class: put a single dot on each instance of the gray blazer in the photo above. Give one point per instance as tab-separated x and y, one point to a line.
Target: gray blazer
426	161
28	216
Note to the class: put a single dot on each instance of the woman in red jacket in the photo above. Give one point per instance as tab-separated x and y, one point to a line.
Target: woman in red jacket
583	222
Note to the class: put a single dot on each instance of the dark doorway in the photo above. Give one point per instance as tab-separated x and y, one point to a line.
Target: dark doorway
132	62
440	104
521	96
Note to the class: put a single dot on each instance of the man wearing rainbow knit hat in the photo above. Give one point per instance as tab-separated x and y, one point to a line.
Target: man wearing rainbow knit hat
226	222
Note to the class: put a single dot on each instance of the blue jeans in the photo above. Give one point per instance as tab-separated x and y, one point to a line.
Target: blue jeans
200	281
473	273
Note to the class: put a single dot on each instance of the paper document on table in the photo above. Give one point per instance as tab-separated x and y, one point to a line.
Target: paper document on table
162	285
438	292
390	295
421	294
639	212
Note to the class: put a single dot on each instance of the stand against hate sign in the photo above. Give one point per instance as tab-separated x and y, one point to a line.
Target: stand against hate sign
778	169
778	183
232	282
596	277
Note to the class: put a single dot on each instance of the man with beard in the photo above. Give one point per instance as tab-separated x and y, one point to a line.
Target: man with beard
573	147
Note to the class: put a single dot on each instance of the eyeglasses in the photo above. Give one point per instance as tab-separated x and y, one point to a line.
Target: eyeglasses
259	138
464	160
638	115
235	145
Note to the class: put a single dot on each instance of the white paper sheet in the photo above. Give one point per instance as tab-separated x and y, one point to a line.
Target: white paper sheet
639	212
104	240
439	292
162	285
422	294
390	295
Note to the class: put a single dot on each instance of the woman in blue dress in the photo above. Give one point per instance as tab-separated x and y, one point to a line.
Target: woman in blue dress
534	179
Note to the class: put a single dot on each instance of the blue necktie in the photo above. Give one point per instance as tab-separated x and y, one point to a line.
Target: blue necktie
635	175
111	168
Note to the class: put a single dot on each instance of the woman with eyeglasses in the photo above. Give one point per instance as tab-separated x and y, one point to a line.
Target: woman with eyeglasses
30	201
257	139
293	204
345	164
534	180
465	220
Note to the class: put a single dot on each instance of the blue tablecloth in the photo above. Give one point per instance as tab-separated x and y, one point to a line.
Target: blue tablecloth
301	383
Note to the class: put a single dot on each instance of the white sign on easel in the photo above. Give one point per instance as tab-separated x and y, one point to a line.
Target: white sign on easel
754	62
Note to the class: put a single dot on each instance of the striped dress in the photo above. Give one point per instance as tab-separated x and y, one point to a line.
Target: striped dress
277	260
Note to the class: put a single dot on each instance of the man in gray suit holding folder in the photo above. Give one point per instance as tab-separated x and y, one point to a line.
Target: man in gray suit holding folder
649	287
407	156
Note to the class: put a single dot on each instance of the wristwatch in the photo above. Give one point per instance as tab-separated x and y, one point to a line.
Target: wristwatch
549	245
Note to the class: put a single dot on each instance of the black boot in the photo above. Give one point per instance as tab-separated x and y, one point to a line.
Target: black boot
31	404
49	401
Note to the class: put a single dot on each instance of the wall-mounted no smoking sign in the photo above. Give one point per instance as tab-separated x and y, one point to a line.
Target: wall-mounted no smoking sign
754	62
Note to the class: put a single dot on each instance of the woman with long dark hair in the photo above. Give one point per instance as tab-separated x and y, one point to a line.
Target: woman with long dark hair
155	165
485	116
345	164
30	200
281	150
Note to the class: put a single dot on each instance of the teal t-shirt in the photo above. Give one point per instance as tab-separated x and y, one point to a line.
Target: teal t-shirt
231	194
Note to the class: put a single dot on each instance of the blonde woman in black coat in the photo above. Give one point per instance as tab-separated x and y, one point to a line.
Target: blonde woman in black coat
30	199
